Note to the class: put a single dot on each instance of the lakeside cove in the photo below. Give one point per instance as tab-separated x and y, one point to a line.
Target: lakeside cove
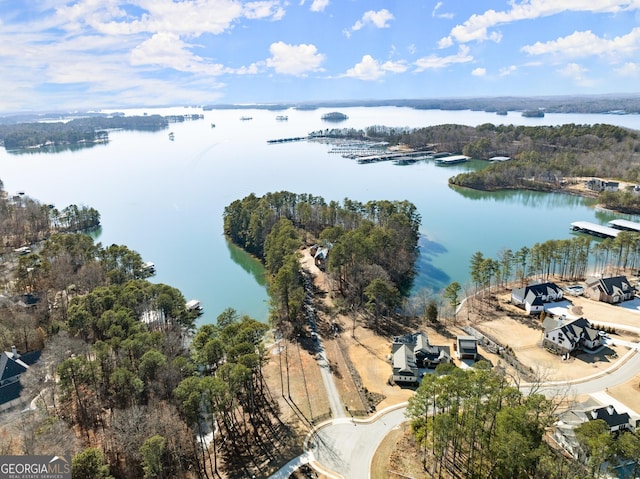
211	167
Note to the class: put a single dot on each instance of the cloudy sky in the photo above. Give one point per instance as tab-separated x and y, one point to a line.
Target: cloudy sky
112	53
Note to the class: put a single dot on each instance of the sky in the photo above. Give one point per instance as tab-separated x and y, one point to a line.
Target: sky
93	54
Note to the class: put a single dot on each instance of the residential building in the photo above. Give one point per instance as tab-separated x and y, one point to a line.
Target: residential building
562	336
412	352
12	365
467	347
615	289
568	421
533	297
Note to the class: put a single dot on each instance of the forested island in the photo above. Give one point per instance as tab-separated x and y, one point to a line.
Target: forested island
86	131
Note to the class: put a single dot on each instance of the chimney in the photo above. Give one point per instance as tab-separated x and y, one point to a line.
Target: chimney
14	352
610	410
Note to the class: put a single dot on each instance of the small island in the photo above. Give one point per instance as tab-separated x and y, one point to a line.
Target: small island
533	114
334	116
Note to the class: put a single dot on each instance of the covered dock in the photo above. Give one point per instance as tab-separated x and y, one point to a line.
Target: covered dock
625	225
594	229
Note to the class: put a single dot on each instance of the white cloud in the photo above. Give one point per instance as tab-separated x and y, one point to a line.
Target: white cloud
297	60
167	50
445	42
585	44
479	72
370	69
477	27
267	9
435	62
435	14
379	19
577	73
629	69
319	5
506	71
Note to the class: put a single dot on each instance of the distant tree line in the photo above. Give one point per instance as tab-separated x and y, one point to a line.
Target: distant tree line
79	130
372	248
550	104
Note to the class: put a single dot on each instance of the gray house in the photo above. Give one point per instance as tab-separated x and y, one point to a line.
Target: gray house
12	365
562	336
533	297
412	352
615	289
568	421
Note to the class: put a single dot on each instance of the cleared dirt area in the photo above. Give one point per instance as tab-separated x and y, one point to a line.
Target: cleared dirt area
360	359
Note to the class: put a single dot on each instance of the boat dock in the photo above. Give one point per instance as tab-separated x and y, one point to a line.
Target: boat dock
594	229
393	156
452	160
287	140
625	225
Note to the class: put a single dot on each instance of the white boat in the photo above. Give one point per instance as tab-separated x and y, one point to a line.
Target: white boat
149	267
171	136
194	305
282	117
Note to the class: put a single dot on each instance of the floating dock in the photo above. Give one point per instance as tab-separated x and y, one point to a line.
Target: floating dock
625	225
287	140
594	229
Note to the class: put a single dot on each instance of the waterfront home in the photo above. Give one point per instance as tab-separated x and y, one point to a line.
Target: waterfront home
596	184
615	289
533	297
563	337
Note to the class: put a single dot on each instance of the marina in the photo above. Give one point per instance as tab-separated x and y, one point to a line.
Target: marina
594	229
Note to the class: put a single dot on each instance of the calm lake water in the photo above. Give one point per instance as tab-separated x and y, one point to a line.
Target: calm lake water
165	198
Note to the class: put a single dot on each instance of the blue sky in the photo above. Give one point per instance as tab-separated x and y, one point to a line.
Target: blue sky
91	54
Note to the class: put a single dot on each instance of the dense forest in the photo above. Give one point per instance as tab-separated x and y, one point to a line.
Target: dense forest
125	384
372	248
89	130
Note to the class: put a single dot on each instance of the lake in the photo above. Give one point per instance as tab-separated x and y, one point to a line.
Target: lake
165	198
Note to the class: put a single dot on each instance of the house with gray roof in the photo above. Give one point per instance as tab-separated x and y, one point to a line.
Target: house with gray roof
562	336
533	297
412	352
613	290
568	421
12	365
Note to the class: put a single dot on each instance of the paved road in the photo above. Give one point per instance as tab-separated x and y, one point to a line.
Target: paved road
346	447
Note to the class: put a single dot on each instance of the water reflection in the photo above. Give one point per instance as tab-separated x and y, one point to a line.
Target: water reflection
430	276
247	262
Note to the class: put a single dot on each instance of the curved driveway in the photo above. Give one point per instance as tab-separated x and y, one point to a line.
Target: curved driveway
346	447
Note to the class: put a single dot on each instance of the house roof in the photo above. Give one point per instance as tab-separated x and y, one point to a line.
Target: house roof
612	285
467	344
535	289
403	359
609	415
11	367
573	330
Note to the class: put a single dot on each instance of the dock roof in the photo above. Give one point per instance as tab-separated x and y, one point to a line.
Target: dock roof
593	228
625	225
